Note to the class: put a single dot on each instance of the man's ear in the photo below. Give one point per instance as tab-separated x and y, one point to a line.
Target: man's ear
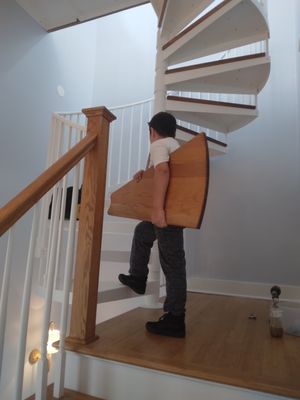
154	134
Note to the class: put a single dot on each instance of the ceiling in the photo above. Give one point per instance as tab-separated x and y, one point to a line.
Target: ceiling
57	14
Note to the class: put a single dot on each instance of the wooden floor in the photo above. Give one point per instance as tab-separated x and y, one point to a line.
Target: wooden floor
68	395
222	345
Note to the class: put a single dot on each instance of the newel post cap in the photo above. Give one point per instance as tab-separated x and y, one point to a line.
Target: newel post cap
99	111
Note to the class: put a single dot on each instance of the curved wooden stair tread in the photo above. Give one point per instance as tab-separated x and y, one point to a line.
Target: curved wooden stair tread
211	102
215	63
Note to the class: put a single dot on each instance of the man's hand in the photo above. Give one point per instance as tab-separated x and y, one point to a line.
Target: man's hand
158	218
139	175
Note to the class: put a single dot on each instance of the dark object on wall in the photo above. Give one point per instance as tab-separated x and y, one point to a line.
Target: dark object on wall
68	203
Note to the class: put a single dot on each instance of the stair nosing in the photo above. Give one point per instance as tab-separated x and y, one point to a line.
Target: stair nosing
211	102
194	133
215	63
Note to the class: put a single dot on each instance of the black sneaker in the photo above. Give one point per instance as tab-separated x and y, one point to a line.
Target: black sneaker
138	285
168	325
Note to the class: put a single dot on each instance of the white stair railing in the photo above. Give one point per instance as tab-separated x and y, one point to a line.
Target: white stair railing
43	253
21	318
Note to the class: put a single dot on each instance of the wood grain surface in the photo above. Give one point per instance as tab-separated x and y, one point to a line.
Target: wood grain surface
187	191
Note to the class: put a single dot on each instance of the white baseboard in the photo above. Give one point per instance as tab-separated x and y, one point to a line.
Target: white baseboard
242	289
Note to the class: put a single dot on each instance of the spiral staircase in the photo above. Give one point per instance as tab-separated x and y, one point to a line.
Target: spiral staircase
195	43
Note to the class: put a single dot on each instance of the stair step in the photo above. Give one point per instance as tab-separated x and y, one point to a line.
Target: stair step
115	256
114	290
109	271
233	23
68	395
176	14
120	226
240	75
220	116
115	241
211	102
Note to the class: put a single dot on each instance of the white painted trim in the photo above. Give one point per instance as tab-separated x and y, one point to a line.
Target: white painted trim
129	382
255	290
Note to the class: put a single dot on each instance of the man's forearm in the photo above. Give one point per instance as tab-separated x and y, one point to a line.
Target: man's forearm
161	182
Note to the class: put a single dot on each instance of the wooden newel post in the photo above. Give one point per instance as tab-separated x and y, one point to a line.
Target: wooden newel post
87	266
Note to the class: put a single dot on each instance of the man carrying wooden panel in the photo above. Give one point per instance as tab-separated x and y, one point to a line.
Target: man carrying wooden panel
165	198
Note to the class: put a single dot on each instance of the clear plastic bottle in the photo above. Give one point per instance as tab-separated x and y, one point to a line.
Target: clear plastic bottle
276	327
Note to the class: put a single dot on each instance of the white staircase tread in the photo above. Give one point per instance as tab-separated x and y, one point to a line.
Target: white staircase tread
114	290
114	241
109	290
178	14
115	256
119	226
218	116
240	75
233	23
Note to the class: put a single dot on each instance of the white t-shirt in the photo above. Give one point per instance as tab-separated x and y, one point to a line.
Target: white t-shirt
161	149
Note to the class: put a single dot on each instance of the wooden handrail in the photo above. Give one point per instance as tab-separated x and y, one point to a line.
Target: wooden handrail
22	202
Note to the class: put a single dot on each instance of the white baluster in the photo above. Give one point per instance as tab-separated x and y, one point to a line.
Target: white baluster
43	363
121	146
61	356
4	291
111	152
141	130
26	307
129	172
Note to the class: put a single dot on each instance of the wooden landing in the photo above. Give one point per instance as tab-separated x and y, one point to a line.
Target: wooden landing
222	345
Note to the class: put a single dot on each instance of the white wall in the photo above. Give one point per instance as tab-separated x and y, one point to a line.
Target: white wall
251	228
125	64
32	64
